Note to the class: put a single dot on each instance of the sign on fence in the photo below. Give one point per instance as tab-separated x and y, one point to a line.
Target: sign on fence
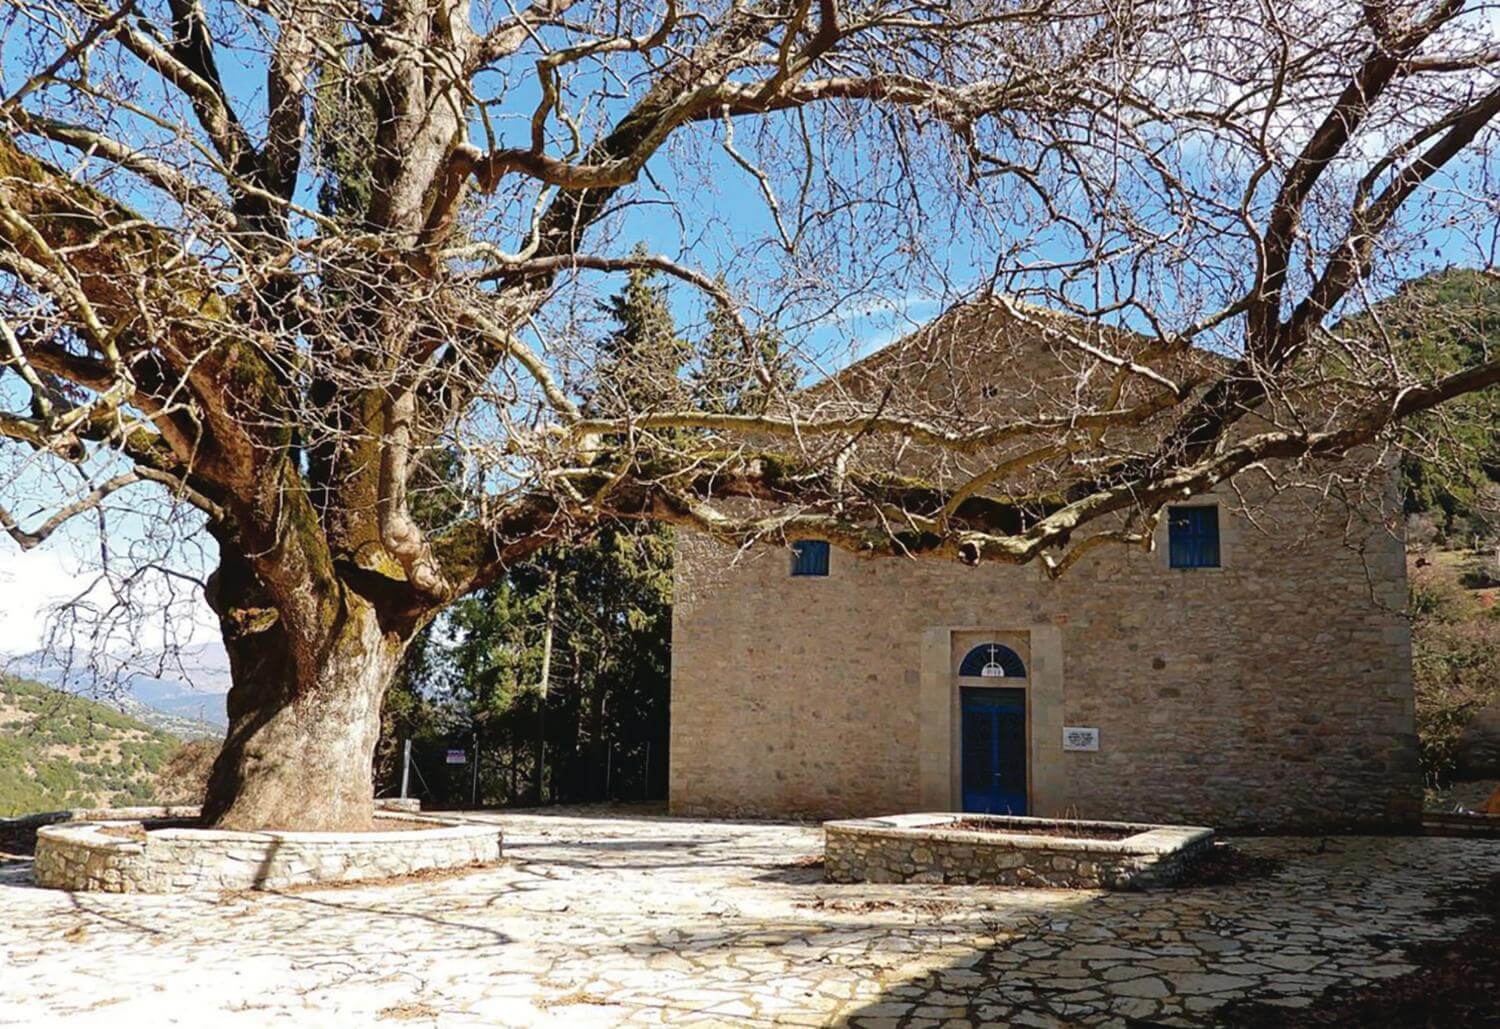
458	757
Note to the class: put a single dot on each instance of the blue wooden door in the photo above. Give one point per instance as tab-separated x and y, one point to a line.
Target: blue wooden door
994	750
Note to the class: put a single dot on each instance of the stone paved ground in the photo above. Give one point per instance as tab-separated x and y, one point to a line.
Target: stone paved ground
607	919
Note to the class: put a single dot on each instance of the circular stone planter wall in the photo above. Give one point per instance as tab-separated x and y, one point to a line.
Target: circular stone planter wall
138	854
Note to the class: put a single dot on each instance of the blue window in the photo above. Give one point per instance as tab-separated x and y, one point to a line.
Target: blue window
993	661
810	557
1193	536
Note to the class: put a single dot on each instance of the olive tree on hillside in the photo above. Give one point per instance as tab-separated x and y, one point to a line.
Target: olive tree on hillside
271	257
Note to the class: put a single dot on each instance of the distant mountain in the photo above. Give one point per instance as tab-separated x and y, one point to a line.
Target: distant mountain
60	751
183	727
182	692
177	705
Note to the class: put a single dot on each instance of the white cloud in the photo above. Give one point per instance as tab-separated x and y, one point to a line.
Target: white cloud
33	583
30	583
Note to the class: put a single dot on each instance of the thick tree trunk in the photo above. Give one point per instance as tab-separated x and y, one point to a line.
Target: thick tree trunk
302	733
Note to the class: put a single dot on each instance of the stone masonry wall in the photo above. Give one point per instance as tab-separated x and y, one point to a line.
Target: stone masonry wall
864	851
1272	692
84	856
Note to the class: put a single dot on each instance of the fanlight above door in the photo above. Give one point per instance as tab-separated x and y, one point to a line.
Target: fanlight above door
992	661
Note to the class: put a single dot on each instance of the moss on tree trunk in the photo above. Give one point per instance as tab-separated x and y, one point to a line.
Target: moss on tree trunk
303	727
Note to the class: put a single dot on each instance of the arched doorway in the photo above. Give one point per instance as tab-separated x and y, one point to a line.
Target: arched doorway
993	736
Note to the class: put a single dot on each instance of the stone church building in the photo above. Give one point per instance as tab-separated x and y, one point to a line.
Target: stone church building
1249	671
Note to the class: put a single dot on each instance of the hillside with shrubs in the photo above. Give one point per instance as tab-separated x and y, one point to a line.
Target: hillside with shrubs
58	751
1451	477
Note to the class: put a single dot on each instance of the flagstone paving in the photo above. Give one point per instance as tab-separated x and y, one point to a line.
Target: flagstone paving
604	918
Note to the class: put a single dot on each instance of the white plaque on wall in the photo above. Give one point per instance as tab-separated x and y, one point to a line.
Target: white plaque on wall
1078	738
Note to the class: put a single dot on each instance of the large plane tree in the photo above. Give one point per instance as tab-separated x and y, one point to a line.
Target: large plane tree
301	266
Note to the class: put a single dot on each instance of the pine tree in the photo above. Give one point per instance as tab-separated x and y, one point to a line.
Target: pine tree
643	358
724	380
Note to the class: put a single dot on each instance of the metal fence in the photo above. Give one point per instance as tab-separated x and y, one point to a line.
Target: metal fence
469	772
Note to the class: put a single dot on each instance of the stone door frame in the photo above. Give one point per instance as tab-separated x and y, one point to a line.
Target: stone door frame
939	712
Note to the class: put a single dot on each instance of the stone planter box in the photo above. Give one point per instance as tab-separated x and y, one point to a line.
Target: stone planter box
140	854
1467	823
933	848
